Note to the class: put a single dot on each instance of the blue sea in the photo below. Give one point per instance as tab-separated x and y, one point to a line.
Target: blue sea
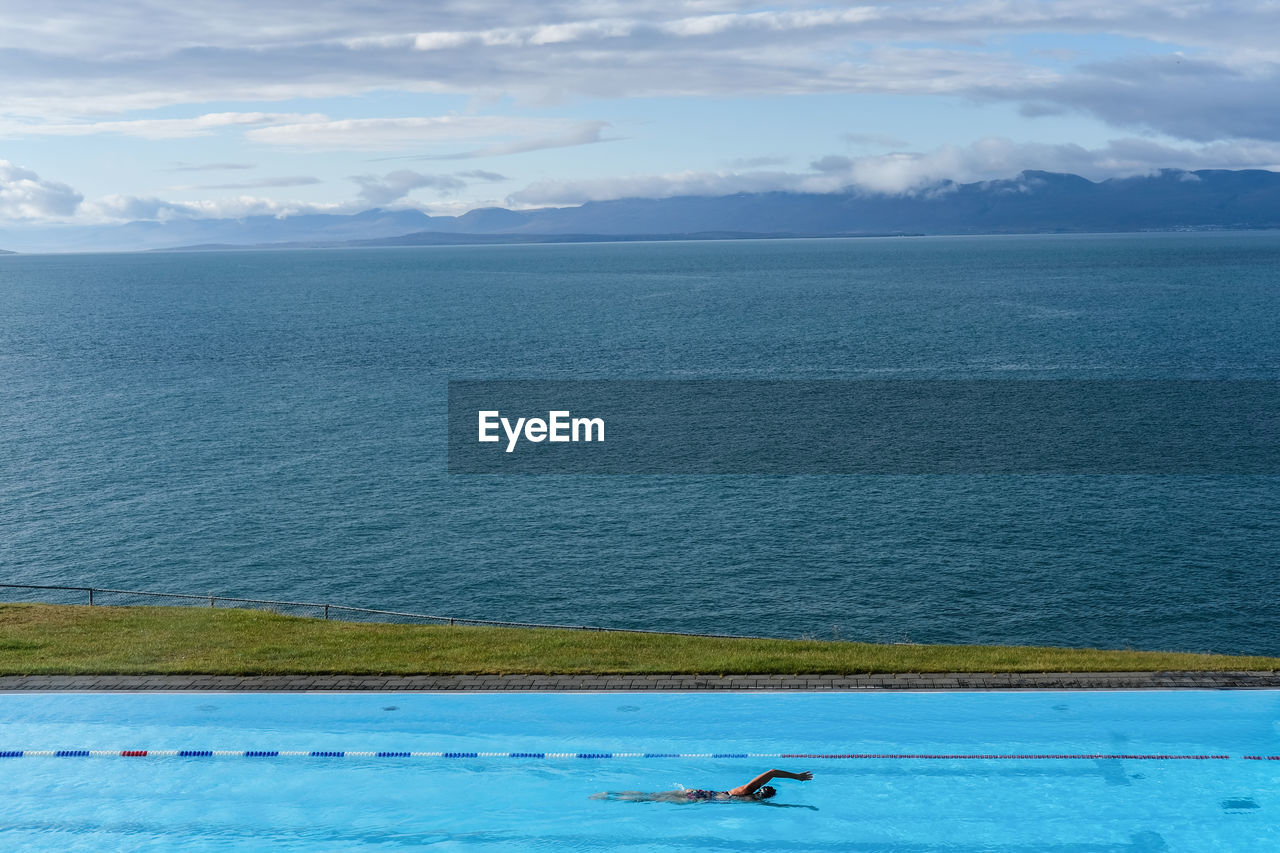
272	425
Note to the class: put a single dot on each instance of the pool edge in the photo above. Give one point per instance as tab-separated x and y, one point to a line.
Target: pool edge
1181	680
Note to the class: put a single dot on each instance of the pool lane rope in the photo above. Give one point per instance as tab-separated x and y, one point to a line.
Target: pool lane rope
284	753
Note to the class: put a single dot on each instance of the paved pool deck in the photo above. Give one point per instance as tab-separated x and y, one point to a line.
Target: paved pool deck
579	683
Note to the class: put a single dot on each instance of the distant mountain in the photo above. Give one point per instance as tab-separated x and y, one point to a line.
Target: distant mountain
1033	202
138	236
449	238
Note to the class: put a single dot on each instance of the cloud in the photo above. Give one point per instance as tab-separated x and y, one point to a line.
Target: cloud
393	186
1199	72
586	133
209	167
893	173
128	208
396	185
262	183
832	163
135	208
157	128
482	175
909	172
496	134
78	61
25	195
1196	99
996	158
652	186
1134	156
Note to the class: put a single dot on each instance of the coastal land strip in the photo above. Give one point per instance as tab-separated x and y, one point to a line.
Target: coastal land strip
82	648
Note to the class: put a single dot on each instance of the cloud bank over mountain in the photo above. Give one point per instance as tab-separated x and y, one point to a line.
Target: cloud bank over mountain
1032	202
908	172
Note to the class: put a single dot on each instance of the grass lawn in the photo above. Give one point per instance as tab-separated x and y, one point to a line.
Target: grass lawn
46	639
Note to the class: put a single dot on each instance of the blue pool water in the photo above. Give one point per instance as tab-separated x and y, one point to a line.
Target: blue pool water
1116	771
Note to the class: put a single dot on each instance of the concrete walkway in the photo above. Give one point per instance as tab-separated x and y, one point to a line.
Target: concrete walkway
912	681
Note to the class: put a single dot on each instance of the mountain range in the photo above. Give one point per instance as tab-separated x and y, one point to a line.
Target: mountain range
1032	202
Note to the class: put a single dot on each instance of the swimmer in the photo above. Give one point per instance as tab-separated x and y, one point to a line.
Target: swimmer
755	791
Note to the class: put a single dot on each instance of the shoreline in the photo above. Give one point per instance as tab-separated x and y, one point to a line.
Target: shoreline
922	682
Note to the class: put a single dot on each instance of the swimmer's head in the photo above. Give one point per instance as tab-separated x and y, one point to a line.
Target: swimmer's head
764	792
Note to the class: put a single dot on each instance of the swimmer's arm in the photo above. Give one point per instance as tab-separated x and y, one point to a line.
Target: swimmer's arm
764	779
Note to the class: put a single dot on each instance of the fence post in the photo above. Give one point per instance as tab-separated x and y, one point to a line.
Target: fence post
326	611
90	596
211	599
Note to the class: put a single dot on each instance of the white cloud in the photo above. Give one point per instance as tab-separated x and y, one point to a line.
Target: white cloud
159	128
496	134
393	186
482	175
208	167
396	185
995	158
72	59
771	22
127	208
571	192
260	183
1204	72
832	163
583	133
134	208
25	195
908	172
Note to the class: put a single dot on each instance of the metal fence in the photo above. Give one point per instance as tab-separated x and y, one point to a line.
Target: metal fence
102	597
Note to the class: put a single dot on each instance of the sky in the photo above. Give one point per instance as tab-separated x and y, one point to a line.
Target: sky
156	110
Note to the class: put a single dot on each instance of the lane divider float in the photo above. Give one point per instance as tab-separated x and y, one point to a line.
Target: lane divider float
868	756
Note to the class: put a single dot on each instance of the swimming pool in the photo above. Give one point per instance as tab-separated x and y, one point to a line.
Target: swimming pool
1067	772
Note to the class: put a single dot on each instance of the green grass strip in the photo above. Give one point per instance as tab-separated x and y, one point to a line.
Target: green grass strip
45	639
